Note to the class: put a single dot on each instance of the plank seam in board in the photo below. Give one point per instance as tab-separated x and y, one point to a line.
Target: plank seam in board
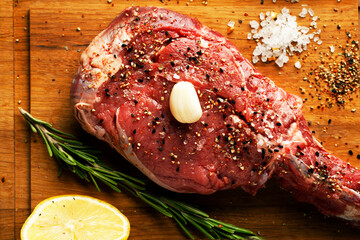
13	100
22	140
31	135
12	145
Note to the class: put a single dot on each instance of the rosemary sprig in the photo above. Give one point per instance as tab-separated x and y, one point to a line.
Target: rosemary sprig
72	155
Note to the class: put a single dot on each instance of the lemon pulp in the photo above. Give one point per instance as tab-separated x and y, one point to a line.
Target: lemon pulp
77	218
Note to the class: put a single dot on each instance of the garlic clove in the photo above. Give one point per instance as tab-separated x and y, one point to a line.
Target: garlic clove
184	103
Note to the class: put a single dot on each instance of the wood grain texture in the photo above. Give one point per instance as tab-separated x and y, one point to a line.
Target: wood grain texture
273	212
7	196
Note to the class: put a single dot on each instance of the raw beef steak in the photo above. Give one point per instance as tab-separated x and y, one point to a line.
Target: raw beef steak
249	130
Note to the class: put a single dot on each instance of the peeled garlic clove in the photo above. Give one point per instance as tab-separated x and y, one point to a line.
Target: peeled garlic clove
184	103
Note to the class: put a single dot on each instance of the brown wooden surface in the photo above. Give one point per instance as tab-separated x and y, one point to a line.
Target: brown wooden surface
7	190
30	175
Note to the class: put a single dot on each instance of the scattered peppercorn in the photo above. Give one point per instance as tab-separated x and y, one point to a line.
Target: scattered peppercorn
338	77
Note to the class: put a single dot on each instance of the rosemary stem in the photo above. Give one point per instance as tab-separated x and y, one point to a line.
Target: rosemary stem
72	155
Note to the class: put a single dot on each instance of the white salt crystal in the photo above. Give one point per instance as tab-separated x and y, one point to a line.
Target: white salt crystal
313	24
278	39
315	18
262	16
254	24
257	51
319	42
231	24
286	59
298	65
303	29
311	12
316	39
279	62
285	11
303	13
332	49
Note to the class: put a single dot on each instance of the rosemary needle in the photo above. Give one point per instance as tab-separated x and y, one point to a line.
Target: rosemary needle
72	155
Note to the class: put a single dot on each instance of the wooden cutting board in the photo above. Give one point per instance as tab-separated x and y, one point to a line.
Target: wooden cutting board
56	46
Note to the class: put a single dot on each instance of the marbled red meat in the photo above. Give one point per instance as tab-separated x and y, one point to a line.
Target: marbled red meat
249	130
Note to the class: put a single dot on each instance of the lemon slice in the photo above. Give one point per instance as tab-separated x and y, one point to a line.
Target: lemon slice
75	217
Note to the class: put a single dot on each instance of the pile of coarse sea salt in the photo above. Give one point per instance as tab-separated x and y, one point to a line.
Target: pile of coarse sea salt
278	36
